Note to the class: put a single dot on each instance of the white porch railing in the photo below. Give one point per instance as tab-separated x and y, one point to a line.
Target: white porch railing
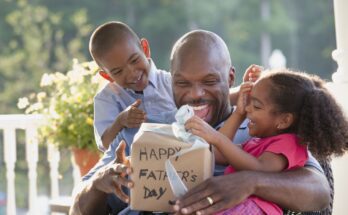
30	124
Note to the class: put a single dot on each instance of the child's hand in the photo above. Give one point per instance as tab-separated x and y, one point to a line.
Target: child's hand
243	98
132	117
199	127
252	73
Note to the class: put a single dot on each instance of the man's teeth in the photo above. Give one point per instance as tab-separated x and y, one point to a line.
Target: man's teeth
199	107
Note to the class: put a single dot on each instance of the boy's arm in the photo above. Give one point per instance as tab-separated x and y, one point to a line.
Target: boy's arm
303	189
131	117
111	132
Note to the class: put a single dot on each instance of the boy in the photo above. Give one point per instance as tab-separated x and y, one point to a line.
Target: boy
137	91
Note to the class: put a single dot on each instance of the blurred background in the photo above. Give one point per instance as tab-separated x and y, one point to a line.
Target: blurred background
43	36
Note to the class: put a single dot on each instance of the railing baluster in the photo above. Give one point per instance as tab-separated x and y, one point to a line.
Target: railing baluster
32	159
53	159
10	160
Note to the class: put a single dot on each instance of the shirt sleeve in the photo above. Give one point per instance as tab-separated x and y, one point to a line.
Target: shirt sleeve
312	162
108	156
106	109
289	147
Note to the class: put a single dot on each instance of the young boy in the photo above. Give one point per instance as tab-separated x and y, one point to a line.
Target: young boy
137	91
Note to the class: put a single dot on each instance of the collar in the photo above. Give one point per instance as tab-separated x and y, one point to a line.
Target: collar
152	74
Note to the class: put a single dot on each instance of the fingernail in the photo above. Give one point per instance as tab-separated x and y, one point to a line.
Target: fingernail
176	207
198	213
130	185
184	211
127	200
128	171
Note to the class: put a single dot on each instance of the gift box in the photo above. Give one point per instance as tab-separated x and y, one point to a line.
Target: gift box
153	146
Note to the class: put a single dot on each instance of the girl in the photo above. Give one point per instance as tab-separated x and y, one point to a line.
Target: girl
287	112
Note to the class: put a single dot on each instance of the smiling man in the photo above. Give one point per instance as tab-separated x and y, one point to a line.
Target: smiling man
202	75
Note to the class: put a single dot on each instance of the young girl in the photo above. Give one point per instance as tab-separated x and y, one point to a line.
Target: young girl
287	112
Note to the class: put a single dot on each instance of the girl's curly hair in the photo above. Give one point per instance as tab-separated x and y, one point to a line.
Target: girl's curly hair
319	120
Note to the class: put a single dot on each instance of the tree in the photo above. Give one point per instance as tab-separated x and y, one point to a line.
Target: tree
37	45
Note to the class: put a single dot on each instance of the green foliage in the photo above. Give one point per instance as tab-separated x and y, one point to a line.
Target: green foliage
43	36
66	101
37	45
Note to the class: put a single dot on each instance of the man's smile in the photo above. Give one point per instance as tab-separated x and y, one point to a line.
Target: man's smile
202	111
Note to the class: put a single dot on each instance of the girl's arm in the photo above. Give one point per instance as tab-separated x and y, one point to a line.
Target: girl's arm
232	124
241	160
252	73
233	154
229	152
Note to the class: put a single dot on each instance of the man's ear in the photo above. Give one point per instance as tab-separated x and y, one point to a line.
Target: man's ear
146	47
231	76
105	76
286	120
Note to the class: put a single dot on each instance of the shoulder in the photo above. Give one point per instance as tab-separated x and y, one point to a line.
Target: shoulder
289	146
163	75
287	137
286	141
106	94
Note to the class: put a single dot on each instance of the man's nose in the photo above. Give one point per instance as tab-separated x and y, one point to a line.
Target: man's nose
197	92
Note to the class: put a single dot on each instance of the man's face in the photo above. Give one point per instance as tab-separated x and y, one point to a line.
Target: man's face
127	65
202	82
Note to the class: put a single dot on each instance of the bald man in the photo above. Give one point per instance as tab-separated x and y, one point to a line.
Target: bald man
202	75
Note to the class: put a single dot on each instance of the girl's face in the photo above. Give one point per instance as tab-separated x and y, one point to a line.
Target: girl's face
261	111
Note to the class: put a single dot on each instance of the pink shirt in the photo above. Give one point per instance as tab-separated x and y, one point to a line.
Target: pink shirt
287	145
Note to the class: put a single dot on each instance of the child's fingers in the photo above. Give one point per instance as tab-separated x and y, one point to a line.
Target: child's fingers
136	110
135	124
246	86
136	103
136	115
253	73
192	124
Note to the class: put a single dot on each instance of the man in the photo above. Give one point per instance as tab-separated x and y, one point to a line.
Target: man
202	75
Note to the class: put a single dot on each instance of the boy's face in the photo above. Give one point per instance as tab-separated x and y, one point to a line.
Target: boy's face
127	64
200	80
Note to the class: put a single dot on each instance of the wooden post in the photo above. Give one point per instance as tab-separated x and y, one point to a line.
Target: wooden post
32	157
10	160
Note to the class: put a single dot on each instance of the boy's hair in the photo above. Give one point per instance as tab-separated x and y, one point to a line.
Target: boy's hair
319	120
109	34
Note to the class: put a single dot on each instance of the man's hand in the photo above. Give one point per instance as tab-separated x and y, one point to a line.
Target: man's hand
112	177
132	116
216	194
